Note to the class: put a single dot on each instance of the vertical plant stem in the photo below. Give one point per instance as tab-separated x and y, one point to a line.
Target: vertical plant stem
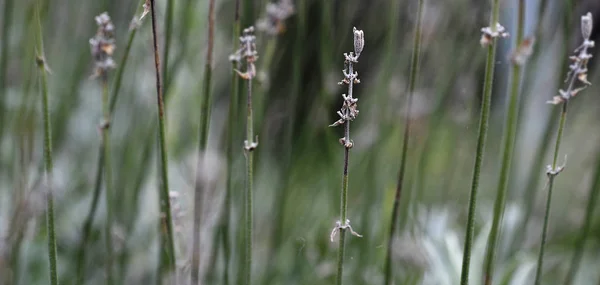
587	226
168	31
481	140
167	261
87	226
6	22
107	178
510	132
561	127
41	63
344	199
203	132
231	126
249	183
414	70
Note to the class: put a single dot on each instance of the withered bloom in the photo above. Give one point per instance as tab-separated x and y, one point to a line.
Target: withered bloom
103	45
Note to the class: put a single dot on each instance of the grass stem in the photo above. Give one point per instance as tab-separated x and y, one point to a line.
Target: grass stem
414	70
48	165
107	178
166	225
510	133
481	140
203	133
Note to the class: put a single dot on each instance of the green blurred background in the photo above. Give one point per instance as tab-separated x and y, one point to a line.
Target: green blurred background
299	159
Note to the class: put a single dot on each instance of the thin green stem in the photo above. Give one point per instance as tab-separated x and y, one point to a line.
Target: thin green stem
414	70
231	126
249	182
481	140
510	133
204	123
6	22
168	32
108	179
166	224
41	62
587	226
87	227
551	176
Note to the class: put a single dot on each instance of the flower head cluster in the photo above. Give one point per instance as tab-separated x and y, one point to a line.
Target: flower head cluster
489	34
349	110
248	52
578	69
274	22
103	45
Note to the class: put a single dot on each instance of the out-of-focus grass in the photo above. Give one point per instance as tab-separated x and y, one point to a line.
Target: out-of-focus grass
297	164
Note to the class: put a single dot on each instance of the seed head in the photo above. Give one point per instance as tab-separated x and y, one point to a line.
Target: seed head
587	24
359	41
103	45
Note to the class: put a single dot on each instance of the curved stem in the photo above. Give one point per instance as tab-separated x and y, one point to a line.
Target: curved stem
481	140
166	224
414	70
510	133
48	165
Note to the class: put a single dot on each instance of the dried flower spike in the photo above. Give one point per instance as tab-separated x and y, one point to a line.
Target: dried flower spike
359	41
248	52
489	34
578	69
103	45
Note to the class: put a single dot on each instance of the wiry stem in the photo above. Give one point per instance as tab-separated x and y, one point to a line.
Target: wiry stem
249	183
577	72
414	69
87	226
203	132
540	262
481	140
510	132
48	165
348	112
166	224
231	123
108	179
6	21
168	31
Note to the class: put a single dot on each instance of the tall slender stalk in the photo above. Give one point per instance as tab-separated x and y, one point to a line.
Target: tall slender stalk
510	133
247	51
48	165
87	226
587	226
231	123
168	32
107	180
347	113
414	71
488	39
6	21
167	260
577	72
203	133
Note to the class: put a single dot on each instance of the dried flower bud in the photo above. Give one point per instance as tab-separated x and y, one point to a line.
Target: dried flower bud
103	45
523	51
359	41
586	25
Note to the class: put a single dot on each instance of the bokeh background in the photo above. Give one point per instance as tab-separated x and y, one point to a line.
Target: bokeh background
299	159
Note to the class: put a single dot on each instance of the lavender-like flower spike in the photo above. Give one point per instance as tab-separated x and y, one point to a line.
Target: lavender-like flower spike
103	45
578	69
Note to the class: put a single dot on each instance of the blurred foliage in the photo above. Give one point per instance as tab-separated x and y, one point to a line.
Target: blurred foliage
299	159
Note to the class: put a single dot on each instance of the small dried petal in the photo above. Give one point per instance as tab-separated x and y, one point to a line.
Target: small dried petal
586	25
146	7
555	100
523	51
583	78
